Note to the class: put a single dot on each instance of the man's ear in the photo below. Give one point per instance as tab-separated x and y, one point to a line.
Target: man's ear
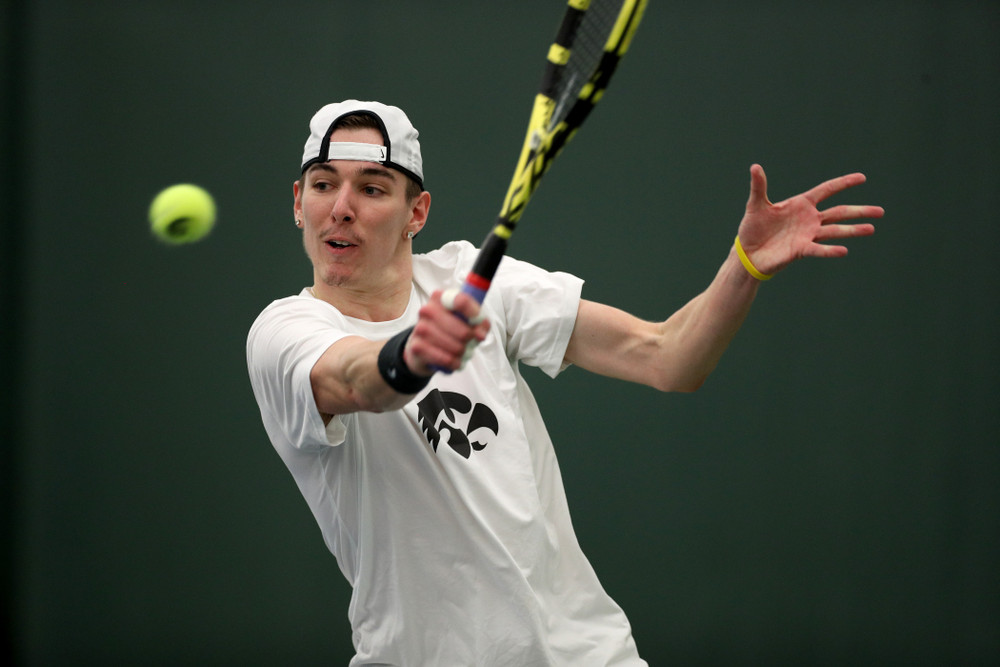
297	202
419	212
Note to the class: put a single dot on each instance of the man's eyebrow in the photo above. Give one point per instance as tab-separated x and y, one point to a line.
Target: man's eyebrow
319	166
377	171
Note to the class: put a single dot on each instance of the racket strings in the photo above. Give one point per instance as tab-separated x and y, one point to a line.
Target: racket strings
587	49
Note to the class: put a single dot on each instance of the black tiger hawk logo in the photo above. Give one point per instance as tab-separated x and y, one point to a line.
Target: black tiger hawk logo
438	413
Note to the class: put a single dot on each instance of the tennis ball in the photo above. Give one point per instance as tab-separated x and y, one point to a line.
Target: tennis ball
182	213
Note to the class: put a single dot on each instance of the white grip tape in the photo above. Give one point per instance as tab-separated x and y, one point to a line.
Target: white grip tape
448	298
470	349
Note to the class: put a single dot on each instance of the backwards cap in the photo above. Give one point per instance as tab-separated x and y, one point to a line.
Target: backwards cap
401	150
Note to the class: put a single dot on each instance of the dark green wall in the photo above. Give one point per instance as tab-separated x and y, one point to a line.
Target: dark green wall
830	497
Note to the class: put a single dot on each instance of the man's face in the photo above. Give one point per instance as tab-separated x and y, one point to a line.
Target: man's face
355	216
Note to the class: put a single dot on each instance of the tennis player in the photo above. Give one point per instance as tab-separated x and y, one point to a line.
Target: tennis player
439	493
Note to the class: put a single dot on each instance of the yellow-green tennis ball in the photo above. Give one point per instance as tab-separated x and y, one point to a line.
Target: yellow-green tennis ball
182	213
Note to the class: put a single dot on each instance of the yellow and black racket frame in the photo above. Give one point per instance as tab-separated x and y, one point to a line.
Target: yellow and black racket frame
547	132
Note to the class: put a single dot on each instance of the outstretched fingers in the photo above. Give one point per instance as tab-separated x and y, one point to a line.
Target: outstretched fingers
833	186
824	251
832	217
834	232
831	228
846	212
774	235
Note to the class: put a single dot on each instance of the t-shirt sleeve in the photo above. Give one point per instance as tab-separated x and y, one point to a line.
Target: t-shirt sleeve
283	345
540	309
535	309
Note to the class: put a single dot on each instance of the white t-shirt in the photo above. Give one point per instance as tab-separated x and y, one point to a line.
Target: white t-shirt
448	517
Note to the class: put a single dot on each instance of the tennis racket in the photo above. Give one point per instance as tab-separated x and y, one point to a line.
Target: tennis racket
592	38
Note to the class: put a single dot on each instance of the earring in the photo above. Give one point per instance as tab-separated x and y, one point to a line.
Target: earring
409	235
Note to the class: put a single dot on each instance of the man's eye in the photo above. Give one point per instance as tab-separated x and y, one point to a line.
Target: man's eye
371	190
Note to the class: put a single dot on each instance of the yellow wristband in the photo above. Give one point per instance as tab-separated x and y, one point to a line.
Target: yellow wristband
748	265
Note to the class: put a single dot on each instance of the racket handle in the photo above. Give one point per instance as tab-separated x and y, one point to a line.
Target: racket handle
477	282
475	287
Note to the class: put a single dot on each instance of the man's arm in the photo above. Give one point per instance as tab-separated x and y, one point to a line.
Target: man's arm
679	353
346	378
675	355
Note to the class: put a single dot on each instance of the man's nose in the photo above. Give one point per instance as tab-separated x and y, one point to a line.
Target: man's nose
343	207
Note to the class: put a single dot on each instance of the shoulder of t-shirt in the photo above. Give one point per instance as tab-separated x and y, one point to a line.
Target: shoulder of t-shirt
446	265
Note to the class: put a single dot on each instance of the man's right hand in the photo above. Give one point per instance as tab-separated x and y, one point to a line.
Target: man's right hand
450	326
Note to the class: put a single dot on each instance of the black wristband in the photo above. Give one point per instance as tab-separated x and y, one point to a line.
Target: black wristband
394	370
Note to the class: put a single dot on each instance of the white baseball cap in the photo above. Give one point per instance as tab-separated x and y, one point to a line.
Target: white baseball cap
401	150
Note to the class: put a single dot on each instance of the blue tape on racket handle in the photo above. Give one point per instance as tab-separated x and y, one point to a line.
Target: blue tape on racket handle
477	293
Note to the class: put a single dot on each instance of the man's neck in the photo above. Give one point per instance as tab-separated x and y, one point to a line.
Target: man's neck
380	305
